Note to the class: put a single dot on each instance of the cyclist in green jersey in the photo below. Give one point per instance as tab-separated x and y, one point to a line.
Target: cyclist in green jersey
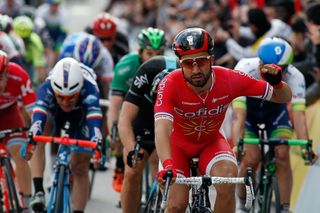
152	42
34	60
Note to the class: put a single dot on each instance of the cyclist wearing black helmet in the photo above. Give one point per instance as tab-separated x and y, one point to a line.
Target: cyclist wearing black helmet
152	42
136	118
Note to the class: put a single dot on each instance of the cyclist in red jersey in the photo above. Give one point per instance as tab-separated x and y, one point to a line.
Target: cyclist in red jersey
190	108
15	84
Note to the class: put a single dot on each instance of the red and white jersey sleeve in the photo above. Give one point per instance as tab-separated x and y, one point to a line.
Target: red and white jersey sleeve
18	86
198	118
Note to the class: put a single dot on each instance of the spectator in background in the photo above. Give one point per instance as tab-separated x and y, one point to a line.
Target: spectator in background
313	17
258	27
302	47
10	7
54	17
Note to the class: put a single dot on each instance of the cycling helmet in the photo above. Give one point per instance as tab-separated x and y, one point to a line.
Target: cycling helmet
5	23
4	61
54	1
275	51
155	83
104	26
66	77
192	40
151	38
87	50
23	26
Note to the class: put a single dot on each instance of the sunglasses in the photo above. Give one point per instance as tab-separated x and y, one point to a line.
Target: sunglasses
201	61
103	39
70	98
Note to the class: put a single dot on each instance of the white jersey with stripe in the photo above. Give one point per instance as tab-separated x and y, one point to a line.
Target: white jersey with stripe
291	75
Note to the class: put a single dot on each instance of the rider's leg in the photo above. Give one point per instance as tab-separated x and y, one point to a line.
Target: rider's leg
130	194
154	163
178	199
22	171
217	159
284	174
251	158
80	172
38	166
225	201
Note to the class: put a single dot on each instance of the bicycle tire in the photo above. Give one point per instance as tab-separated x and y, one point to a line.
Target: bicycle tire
91	182
153	204
273	193
13	195
60	190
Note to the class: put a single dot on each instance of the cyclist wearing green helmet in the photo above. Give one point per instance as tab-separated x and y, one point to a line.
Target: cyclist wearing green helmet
34	57
152	42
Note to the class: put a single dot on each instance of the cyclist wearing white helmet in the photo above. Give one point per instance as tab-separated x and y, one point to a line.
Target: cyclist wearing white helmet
249	111
68	94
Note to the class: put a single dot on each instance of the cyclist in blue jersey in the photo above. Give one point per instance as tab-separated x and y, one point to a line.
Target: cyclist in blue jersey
70	93
88	50
249	112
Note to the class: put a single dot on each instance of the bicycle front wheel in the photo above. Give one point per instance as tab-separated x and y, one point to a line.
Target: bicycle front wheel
60	190
272	199
13	195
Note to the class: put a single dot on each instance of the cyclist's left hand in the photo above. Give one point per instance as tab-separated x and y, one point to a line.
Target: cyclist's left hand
27	150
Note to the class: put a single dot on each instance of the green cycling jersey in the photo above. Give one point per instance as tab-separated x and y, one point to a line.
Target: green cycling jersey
124	72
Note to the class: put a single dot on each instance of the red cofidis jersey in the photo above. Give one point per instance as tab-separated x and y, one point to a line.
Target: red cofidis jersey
18	86
198	118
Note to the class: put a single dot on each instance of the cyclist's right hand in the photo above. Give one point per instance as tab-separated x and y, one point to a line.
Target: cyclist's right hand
162	174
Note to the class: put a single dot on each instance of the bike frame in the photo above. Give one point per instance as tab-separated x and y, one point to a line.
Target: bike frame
267	171
62	160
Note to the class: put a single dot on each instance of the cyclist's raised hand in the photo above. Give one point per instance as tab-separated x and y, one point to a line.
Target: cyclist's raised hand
162	174
272	74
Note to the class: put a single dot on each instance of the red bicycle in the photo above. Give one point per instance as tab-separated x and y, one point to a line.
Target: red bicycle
10	201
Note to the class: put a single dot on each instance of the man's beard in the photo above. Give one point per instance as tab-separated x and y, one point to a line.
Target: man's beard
198	83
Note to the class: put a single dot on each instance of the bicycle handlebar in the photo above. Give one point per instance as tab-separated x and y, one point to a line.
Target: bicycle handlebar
275	141
14	130
307	153
198	181
65	141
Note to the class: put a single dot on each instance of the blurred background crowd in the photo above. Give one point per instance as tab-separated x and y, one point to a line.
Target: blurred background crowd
237	26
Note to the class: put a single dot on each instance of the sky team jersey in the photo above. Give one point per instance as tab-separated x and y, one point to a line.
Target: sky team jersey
18	86
139	92
292	76
123	74
87	108
198	118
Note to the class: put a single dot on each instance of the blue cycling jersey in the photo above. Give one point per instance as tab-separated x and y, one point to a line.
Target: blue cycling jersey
85	118
93	55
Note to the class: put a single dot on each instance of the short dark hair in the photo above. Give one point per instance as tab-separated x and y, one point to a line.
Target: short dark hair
313	13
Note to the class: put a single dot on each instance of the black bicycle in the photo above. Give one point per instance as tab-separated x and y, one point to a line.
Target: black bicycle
266	187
